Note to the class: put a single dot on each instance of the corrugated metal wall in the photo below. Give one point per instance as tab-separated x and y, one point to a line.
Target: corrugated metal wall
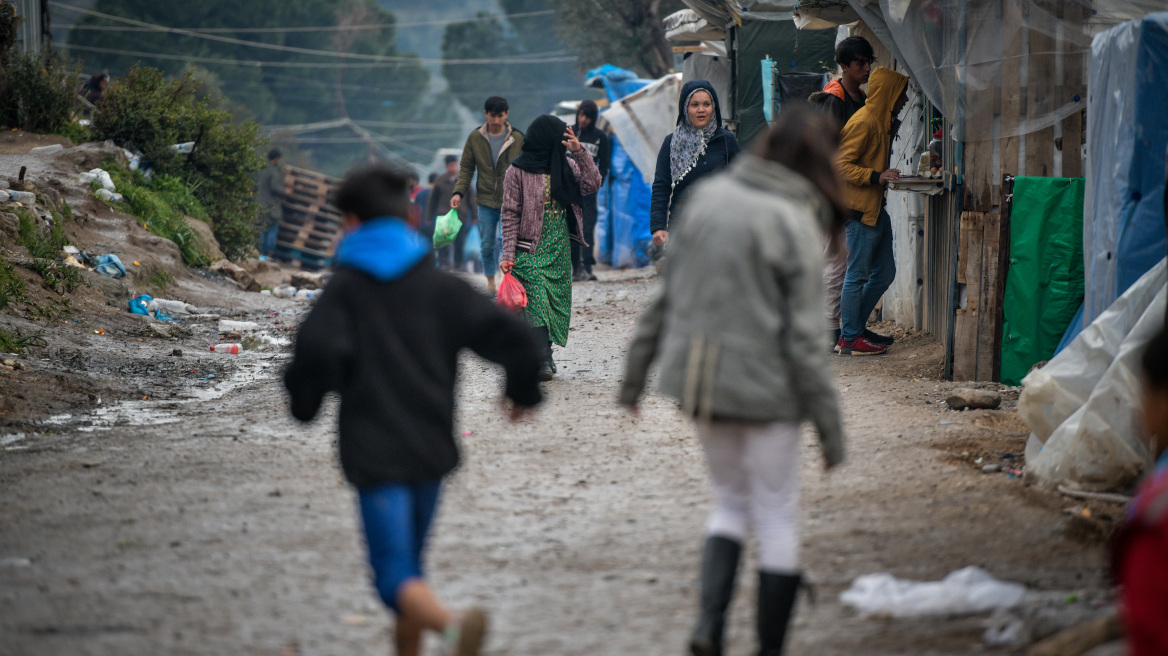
31	35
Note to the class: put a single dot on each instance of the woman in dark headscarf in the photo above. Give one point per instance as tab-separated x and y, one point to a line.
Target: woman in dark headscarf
699	145
541	215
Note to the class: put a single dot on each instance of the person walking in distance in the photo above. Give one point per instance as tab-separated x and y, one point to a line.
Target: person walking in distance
489	151
542	199
865	149
443	199
841	99
270	190
386	335
737	331
422	203
595	141
698	146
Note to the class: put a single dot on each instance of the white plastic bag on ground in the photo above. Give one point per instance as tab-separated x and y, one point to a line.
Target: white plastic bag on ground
108	196
967	591
227	325
171	307
1082	406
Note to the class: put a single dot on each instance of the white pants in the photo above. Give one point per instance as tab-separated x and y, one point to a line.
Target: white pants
754	471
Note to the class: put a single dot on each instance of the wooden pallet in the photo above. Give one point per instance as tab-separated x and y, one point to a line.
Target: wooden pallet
311	225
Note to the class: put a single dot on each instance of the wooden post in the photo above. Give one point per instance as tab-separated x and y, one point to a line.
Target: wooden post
977	169
1073	87
1041	87
1013	95
969	273
989	307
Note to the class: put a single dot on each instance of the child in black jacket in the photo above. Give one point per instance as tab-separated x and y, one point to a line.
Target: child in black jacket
385	335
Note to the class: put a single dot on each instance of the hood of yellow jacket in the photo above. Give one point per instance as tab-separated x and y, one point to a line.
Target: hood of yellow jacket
884	87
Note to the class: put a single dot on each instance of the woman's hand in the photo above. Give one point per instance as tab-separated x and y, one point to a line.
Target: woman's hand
661	237
506	265
570	141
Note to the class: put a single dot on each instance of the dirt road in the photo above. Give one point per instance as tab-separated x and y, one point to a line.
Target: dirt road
204	520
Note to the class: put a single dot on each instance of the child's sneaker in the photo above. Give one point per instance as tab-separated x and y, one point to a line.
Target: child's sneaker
465	636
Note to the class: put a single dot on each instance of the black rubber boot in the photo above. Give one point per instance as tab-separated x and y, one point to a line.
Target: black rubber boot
720	557
546	366
776	603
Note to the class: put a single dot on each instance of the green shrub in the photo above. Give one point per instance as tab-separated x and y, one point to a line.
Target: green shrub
60	278
160	278
12	287
74	132
147	112
10	343
37	92
155	206
38	245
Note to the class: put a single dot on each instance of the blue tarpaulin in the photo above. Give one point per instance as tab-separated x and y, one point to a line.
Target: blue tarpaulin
622	226
1123	230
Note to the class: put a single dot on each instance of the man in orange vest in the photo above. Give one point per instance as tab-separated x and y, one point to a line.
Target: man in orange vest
842	98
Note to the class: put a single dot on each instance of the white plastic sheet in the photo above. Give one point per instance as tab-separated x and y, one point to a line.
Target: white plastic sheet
967	591
1082	407
642	120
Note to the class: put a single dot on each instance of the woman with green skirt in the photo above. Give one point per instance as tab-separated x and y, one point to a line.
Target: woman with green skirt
541	216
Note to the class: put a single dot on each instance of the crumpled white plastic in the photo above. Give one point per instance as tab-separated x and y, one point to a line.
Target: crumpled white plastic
967	591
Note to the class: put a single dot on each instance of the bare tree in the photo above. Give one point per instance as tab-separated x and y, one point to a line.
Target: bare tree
626	33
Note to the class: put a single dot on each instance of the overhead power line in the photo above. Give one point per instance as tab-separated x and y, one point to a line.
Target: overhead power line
287	64
326	28
382	59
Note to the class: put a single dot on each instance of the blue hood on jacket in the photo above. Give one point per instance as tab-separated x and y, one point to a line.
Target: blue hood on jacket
385	248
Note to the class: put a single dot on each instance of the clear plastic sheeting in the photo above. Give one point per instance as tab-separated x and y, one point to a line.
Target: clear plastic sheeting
1081	407
957	49
1127	137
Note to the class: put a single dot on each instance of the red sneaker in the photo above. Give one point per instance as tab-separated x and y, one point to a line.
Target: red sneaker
860	346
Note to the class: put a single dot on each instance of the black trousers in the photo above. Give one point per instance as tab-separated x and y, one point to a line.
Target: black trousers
580	254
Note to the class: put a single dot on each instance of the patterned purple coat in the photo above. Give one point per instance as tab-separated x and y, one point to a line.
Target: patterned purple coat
523	205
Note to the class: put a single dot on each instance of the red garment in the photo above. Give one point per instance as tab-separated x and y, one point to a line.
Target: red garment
1140	566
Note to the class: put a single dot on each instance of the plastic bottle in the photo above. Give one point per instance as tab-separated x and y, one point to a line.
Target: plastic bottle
232	349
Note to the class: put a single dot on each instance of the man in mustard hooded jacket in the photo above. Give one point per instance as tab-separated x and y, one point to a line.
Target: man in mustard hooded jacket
865	148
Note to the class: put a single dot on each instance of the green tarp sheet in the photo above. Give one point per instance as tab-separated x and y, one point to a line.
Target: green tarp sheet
1044	286
793	51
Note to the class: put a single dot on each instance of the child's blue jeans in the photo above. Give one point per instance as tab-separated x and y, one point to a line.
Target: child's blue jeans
397	518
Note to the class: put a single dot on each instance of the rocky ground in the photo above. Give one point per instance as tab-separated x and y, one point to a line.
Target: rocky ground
159	499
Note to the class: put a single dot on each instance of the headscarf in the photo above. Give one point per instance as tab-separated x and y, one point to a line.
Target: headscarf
544	153
689	143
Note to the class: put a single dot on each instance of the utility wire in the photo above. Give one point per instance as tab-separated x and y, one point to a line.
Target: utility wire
288	64
327	28
519	59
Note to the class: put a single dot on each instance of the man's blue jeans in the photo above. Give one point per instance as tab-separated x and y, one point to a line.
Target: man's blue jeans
492	239
871	270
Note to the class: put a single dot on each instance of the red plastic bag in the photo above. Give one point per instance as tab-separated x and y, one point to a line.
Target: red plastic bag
512	295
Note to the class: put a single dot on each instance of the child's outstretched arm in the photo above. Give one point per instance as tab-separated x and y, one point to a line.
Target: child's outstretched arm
507	340
323	349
